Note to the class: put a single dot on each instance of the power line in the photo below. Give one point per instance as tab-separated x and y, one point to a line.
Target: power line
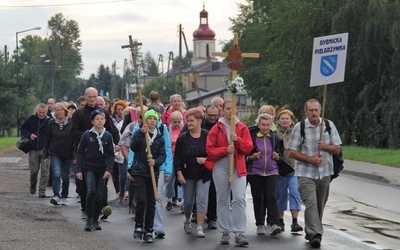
65	4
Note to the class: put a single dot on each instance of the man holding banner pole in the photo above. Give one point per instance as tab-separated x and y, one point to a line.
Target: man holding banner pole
314	167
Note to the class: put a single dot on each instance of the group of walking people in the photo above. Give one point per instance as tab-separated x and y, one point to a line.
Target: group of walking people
169	145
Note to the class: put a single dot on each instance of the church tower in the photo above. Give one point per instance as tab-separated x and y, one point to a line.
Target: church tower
203	41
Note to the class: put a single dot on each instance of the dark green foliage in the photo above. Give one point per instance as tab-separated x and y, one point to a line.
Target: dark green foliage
365	106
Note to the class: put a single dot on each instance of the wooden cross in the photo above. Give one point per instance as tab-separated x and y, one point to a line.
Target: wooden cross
235	58
133	46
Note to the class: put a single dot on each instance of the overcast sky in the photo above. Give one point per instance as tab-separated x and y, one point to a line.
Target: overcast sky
106	24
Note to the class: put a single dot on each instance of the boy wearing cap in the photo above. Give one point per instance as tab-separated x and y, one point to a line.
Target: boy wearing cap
144	193
95	157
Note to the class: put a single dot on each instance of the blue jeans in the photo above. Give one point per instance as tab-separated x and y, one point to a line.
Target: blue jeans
95	186
122	175
159	214
169	189
288	186
60	171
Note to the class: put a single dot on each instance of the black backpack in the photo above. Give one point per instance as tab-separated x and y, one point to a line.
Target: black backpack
337	158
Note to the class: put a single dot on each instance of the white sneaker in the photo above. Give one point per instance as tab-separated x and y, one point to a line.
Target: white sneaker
63	202
261	230
200	234
55	201
275	229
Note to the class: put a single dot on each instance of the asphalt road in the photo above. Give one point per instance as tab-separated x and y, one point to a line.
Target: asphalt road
118	231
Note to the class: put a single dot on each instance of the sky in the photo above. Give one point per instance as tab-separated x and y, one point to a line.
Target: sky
105	25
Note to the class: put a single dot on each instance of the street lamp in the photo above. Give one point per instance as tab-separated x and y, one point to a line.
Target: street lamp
16	36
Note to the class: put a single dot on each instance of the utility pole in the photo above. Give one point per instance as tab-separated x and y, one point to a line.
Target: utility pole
180	59
134	51
171	59
161	59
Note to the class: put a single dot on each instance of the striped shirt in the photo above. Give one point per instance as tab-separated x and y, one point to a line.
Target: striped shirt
310	148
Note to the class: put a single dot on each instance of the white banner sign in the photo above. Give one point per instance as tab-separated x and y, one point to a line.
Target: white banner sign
329	59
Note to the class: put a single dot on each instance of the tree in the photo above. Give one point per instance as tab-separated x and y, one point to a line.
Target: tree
103	79
365	106
63	47
149	65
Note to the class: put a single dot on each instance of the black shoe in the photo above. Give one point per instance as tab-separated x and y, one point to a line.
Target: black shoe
33	189
169	206
42	196
96	225
282	225
138	233
296	228
315	242
148	238
212	224
88	225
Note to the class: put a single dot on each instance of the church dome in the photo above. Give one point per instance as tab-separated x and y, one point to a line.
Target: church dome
203	32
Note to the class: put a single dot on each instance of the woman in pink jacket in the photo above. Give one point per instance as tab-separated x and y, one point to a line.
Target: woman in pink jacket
218	150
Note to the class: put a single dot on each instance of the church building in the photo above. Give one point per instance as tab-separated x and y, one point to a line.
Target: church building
208	77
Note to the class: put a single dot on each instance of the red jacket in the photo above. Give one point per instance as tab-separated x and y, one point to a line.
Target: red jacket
217	144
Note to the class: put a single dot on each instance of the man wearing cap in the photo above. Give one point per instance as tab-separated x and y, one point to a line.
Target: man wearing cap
80	123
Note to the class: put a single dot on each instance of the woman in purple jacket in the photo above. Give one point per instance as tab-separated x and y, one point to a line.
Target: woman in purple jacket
263	174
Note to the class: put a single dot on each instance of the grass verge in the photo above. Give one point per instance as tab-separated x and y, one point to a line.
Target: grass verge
7	144
386	157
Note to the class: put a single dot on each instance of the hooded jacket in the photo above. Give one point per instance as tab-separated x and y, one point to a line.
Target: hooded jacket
217	144
138	146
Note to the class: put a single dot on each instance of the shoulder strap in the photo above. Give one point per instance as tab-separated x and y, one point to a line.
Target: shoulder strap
302	127
327	125
161	129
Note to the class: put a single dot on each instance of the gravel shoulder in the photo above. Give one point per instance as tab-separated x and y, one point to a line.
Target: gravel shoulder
28	222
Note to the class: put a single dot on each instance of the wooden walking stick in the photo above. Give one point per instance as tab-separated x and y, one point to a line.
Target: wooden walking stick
322	116
235	57
133	46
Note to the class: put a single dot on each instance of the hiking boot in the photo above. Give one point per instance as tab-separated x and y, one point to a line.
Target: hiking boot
241	240
212	224
148	238
96	225
187	226
169	206
55	201
225	239
275	229
106	212
261	230
88	225
296	227
315	242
